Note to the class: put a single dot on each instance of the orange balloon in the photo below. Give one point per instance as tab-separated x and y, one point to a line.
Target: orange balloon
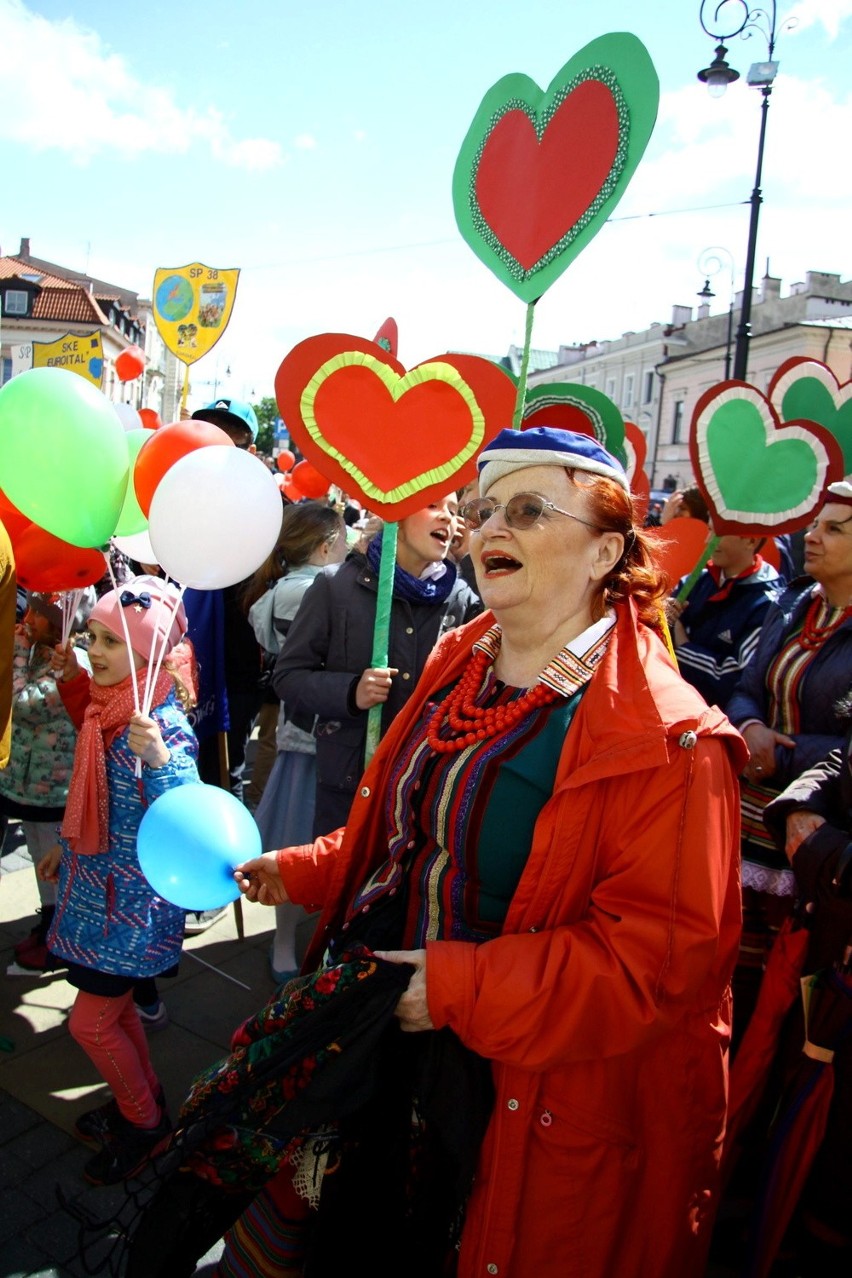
291	490
44	562
166	446
286	460
309	480
130	364
150	419
679	545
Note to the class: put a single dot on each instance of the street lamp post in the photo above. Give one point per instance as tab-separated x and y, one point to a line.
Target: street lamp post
761	75
711	261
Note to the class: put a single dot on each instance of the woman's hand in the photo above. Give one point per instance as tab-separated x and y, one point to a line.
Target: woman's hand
48	867
761	742
412	1010
260	880
800	825
146	741
373	688
64	663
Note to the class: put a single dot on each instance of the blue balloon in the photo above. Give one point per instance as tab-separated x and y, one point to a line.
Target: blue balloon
190	842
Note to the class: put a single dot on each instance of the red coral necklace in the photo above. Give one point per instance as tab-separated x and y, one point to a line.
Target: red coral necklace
471	723
814	636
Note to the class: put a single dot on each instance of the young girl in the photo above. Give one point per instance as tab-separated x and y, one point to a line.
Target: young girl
34	786
312	537
109	927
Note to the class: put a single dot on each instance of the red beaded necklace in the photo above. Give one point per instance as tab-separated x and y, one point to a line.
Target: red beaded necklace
814	636
473	723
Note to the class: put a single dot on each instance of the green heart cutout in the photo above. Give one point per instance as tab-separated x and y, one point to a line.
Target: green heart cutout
808	397
539	172
740	454
571	406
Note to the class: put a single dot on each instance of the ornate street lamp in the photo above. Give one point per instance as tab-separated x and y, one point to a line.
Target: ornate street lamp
737	15
710	263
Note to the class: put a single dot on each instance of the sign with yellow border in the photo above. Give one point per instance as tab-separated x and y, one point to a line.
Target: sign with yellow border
192	306
78	353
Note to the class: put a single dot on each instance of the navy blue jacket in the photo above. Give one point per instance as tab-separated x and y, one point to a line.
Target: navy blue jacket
723	634
824	683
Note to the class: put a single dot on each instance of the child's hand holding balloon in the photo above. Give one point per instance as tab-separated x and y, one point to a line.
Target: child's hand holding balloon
146	741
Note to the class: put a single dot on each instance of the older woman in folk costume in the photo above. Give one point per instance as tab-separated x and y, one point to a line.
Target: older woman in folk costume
549	833
790	706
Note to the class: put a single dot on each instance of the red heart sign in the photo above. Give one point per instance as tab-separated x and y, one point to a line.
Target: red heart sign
547	195
392	438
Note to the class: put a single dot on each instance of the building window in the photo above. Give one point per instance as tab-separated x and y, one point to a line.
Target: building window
16	302
5	371
610	388
648	388
677	422
628	391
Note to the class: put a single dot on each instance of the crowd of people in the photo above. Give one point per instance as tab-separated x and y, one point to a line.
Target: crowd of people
531	904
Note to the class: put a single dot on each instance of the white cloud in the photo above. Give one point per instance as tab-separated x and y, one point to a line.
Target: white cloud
63	88
305	142
828	14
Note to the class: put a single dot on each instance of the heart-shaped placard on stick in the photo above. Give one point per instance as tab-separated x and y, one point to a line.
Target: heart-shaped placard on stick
636	447
756	473
570	406
808	388
540	171
391	438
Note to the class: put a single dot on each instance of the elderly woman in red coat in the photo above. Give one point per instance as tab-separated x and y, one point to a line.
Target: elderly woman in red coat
555	813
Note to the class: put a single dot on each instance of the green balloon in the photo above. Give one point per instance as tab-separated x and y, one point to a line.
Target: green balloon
63	459
132	518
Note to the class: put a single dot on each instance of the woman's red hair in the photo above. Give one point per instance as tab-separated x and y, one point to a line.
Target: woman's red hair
636	575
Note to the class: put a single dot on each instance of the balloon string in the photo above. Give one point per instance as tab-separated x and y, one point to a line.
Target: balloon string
191	954
70	604
185	392
162	643
126	632
525	363
137	770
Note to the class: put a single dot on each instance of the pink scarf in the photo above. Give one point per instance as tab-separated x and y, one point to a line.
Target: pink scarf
86	823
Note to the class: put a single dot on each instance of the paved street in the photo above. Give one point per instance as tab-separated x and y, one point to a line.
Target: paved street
46	1081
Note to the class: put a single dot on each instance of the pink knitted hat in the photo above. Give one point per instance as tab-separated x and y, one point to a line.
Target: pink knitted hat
148	605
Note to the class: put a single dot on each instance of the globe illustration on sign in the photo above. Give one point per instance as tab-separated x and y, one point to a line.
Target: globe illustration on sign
175	298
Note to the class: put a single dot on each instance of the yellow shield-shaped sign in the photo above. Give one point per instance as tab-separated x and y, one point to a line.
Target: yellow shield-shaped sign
192	305
79	354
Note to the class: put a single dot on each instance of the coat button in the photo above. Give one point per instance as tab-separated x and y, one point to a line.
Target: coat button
406	675
512	1104
492	1268
365	792
409	630
688	741
368	578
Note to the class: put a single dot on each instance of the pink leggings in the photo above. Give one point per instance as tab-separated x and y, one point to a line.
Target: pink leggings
111	1034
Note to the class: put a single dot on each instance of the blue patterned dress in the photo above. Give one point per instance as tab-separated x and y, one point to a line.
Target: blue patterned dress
108	918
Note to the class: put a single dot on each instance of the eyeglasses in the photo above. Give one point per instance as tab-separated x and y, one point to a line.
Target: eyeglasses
524	510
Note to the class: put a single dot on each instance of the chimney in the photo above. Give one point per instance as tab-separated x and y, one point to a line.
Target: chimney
703	311
681	315
24	250
770	288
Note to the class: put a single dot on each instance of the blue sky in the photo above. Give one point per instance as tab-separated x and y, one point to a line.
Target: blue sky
312	145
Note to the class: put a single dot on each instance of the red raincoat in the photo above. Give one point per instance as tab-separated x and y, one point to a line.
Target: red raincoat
605	1003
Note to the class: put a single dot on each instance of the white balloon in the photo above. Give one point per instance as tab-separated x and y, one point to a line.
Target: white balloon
215	516
137	546
128	416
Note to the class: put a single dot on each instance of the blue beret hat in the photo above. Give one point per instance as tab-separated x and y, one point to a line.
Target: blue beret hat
545	446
